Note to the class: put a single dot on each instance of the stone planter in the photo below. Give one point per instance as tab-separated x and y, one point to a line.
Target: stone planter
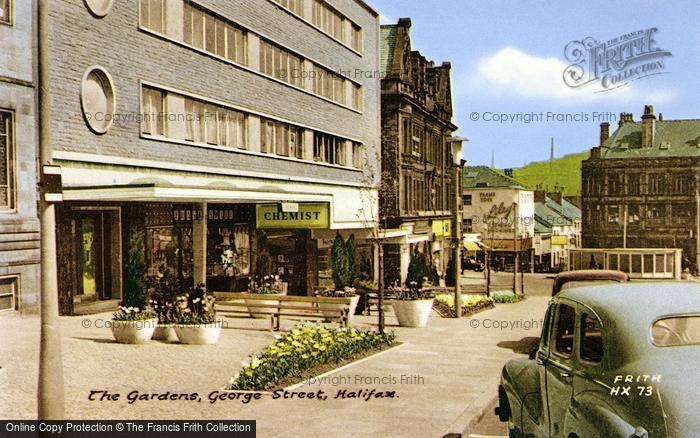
199	334
413	313
271	303
165	332
134	332
332	309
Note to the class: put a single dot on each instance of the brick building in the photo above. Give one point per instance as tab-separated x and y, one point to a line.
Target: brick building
418	166
640	185
215	129
19	225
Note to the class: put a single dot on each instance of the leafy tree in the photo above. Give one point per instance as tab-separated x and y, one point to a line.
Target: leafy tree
417	271
340	263
134	271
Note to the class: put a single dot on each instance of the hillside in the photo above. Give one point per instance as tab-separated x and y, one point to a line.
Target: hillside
563	172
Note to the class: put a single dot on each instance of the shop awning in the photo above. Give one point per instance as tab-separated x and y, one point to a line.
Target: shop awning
472	246
155	193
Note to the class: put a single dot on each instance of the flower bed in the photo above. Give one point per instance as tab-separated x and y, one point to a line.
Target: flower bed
305	349
471	304
506	296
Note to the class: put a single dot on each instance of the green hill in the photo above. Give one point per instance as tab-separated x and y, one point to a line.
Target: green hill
564	172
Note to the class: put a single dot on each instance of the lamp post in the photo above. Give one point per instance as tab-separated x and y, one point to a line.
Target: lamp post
456	149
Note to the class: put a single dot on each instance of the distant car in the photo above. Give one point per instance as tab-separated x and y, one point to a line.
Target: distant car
612	361
586	277
472	265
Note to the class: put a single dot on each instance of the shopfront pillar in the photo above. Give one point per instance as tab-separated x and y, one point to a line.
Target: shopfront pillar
199	244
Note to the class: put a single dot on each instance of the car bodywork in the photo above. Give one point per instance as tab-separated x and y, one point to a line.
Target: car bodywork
631	388
587	275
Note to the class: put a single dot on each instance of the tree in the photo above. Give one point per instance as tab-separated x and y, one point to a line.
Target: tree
341	264
417	271
134	271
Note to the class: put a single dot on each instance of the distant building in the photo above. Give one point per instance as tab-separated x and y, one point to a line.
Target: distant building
418	169
19	224
640	186
503	211
557	230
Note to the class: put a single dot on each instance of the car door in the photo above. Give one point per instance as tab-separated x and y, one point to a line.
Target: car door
559	366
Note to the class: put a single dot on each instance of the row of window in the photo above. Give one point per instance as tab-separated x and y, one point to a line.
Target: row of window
422	143
632	184
329	20
6	11
216	35
207	123
678	214
421	194
7	161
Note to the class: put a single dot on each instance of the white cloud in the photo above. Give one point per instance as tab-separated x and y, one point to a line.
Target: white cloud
512	72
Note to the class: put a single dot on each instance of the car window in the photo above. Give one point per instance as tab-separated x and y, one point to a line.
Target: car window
564	338
676	330
591	339
544	342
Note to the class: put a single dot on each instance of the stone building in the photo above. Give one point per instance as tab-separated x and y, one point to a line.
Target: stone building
217	131
557	231
640	186
418	153
19	225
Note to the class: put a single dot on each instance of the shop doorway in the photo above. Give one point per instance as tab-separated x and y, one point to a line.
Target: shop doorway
95	257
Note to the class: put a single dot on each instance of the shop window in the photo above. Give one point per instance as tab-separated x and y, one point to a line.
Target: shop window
7	161
9	293
153	15
6	11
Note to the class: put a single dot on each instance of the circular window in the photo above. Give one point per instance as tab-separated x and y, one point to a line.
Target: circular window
97	99
99	8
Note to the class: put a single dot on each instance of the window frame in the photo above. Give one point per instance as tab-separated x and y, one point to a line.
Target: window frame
10	20
557	324
16	283
582	337
9	118
147	24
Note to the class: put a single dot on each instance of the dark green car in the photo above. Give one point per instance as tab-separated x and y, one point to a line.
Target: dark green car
612	361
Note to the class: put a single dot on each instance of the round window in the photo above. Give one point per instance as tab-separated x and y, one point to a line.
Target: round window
97	99
99	8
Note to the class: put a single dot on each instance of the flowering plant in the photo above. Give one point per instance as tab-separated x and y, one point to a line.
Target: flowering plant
413	292
163	292
195	307
269	284
346	292
305	347
133	314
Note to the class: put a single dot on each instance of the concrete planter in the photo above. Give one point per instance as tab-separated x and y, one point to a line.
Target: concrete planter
165	332
271	303
413	313
332	309
134	332
199	334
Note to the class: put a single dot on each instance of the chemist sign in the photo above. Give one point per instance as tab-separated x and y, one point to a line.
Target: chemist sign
309	215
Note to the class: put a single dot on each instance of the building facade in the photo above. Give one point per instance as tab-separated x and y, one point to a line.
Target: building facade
19	224
640	186
503	211
557	231
216	131
420	159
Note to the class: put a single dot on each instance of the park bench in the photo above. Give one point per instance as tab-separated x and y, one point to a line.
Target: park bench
284	306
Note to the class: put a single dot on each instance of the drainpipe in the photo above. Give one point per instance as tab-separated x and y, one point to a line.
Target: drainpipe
50	389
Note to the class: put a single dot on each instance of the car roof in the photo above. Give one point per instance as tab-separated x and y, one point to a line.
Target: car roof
588	275
638	303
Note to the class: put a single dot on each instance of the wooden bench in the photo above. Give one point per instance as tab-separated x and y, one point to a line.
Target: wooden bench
288	306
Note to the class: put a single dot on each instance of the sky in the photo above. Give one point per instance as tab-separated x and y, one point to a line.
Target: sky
508	62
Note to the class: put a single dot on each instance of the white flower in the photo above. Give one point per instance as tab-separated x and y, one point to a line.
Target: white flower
136	310
127	311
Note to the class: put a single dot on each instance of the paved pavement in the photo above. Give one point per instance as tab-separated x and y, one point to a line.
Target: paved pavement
444	376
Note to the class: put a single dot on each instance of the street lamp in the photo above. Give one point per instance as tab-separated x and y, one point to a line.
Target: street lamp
456	150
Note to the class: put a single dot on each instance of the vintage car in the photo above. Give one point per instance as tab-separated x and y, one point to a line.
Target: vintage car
613	361
586	276
472	265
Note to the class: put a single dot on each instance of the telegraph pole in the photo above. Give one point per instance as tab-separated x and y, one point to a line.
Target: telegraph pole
50	392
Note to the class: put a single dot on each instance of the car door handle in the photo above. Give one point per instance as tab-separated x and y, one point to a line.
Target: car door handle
564	374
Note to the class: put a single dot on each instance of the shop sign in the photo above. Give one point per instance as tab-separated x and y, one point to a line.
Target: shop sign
308	216
442	228
560	240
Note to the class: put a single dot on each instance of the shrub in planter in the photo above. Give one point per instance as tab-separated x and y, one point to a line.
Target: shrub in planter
412	306
471	304
341	263
417	271
134	271
300	351
133	325
329	309
163	298
196	321
267	285
506	296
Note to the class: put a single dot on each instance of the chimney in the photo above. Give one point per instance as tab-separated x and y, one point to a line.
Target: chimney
604	132
555	196
540	195
404	22
648	126
625	118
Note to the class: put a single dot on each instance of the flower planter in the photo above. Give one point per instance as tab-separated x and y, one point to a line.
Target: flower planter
199	334
332	309
413	313
134	332
165	332
271	303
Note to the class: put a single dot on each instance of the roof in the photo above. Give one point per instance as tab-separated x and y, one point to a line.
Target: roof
387	46
672	138
587	275
484	176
